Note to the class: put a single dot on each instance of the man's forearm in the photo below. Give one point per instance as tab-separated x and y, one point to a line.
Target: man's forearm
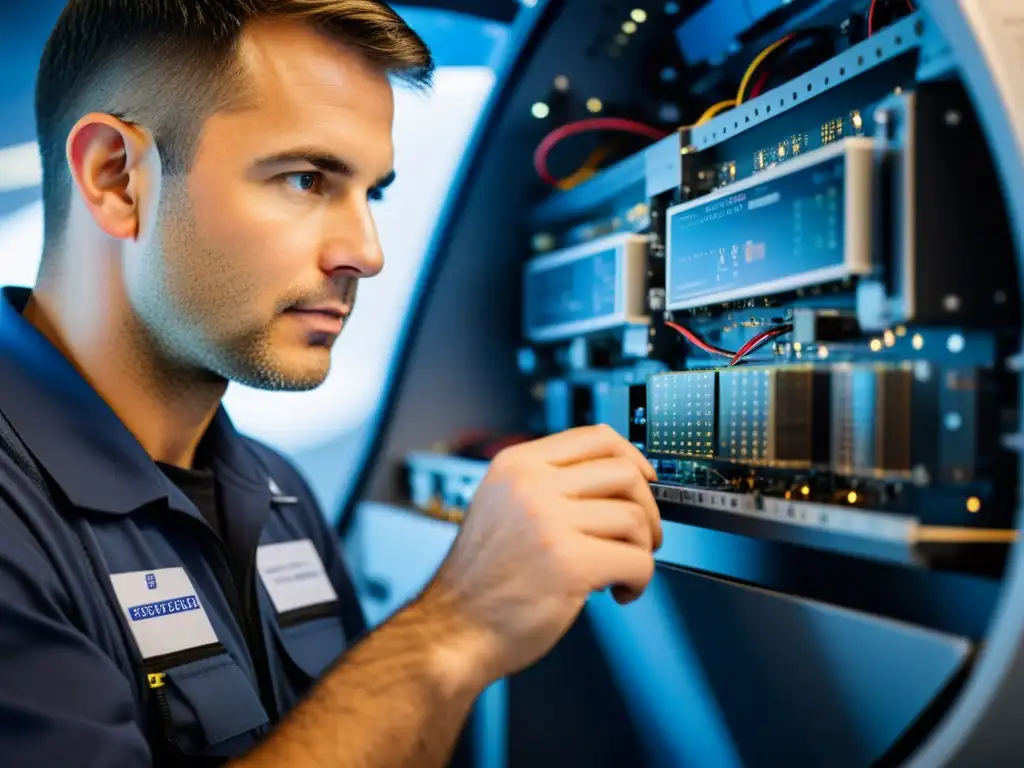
399	698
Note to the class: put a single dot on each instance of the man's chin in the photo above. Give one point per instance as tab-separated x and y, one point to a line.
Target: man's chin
287	377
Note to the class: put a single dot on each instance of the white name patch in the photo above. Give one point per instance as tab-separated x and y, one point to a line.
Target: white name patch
163	611
294	575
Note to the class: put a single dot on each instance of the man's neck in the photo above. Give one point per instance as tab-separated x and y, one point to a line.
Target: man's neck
166	408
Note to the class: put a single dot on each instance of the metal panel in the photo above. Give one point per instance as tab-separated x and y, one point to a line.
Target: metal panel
725	674
895	40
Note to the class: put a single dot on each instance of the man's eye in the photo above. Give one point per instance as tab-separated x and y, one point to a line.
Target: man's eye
306	181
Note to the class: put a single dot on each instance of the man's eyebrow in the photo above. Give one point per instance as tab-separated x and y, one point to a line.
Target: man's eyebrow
322	161
385	181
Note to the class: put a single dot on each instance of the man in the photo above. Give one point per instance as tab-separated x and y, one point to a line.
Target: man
169	592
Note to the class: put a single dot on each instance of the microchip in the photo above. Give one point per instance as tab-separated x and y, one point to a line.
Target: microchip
681	414
773	416
871	420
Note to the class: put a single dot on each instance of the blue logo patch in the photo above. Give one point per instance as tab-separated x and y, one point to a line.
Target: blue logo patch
164	608
151	580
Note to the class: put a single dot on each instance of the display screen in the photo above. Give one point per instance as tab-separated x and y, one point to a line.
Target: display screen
580	290
758	240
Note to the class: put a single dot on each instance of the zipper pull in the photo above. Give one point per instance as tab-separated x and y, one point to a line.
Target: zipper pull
156	680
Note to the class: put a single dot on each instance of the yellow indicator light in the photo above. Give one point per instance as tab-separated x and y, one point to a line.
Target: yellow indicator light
901	331
823	353
806	490
917	341
639	15
889	337
594	105
973	505
540	110
629	27
852	497
876	345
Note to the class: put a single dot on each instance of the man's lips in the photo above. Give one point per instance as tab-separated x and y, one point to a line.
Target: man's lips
339	311
326	318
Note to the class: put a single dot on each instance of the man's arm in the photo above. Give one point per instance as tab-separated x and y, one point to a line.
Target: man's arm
399	699
553	521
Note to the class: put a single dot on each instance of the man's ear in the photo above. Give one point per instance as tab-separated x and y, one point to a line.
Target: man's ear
116	169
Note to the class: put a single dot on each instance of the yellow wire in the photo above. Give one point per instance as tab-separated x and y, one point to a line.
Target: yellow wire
585	171
714	109
755	64
590	166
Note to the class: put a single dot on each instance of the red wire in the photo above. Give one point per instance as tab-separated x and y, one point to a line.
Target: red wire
697	341
758	340
735	357
759	85
871	15
548	143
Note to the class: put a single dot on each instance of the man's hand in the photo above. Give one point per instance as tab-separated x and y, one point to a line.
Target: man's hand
554	520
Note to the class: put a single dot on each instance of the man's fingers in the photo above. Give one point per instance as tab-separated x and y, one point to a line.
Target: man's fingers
588	443
624	596
614	520
615	478
624	567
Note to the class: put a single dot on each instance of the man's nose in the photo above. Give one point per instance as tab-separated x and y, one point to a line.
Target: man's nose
351	244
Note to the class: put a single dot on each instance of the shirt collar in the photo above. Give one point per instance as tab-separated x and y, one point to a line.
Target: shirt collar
78	439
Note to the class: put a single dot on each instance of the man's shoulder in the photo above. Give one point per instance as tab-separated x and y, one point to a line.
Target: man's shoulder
21	481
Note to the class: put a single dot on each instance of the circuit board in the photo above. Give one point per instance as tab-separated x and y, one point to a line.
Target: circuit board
809	357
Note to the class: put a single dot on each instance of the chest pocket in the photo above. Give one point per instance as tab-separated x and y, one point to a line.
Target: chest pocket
307	625
205	704
313	642
208	707
306	651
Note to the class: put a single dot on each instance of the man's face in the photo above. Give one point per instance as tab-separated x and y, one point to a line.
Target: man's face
258	250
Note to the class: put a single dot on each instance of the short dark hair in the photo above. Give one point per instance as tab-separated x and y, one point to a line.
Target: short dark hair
169	64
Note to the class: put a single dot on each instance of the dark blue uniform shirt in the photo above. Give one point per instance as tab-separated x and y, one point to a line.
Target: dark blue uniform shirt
125	640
